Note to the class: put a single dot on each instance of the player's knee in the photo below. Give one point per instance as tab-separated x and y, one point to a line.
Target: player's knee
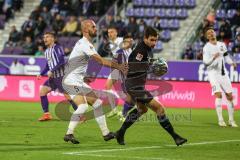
229	97
97	103
218	95
44	91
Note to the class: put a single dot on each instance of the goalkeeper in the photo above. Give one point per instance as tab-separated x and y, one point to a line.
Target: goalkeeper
139	66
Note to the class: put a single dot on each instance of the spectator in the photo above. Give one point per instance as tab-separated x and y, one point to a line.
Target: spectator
188	54
65	8
225	29
142	26
156	23
132	27
28	28
36	13
58	24
14	35
41	25
28	46
71	27
46	15
235	21
55	8
40	51
236	45
211	17
16	68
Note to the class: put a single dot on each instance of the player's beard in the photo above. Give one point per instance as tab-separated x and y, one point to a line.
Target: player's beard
92	34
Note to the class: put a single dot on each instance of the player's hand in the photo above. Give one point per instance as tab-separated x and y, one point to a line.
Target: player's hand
123	68
234	65
216	55
39	77
50	74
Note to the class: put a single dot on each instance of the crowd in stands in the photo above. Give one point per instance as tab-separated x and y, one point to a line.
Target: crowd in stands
226	22
61	16
7	10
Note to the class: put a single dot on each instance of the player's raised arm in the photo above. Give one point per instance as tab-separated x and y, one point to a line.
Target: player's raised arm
122	67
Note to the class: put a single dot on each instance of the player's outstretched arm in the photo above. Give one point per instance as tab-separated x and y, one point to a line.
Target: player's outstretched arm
122	67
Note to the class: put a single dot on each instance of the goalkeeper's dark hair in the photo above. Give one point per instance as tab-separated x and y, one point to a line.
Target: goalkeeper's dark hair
150	31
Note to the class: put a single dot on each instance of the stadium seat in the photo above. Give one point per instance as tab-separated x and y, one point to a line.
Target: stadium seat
138	2
171	13
180	3
147	2
220	14
149	12
164	23
181	13
158	3
160	12
130	12
159	46
231	13
165	35
139	12
174	24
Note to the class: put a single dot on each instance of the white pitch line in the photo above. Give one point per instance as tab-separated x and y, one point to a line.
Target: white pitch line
149	147
125	157
112	150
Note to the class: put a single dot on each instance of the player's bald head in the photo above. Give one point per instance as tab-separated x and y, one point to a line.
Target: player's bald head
86	24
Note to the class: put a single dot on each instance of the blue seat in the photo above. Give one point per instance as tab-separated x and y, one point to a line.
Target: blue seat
174	24
130	12
149	12
138	2
139	12
220	13
165	35
159	46
147	2
180	3
159	3
181	13
160	12
230	13
190	3
164	23
171	13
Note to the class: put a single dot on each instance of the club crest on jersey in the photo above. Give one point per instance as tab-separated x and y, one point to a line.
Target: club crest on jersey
139	57
221	48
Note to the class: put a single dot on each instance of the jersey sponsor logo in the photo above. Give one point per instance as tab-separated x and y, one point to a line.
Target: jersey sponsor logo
139	57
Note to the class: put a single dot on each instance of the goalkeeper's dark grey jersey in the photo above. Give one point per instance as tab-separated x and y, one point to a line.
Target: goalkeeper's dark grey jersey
138	65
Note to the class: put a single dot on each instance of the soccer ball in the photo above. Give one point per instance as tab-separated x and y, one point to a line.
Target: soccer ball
159	67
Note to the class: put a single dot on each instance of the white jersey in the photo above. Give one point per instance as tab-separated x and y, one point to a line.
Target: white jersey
78	61
217	74
116	45
209	50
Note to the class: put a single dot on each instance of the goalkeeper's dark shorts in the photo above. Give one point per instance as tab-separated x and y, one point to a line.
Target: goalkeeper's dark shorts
140	95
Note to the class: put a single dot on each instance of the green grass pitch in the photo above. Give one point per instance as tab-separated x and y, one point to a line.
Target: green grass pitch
22	137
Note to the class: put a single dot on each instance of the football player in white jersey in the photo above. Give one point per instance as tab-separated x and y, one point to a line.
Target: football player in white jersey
214	56
73	81
114	45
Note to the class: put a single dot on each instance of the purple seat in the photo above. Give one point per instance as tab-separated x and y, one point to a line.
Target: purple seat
159	46
138	2
159	3
230	13
147	2
180	3
197	46
190	3
236	57
160	12
164	23
166	35
169	3
174	24
149	12
181	13
7	50
220	13
130	12
63	40
18	50
139	12
171	13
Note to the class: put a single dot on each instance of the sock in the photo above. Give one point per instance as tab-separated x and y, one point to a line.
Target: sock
126	107
44	102
218	105
73	105
111	95
132	117
165	123
100	117
230	108
76	117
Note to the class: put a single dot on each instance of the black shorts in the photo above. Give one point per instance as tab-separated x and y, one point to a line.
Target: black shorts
55	84
140	95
